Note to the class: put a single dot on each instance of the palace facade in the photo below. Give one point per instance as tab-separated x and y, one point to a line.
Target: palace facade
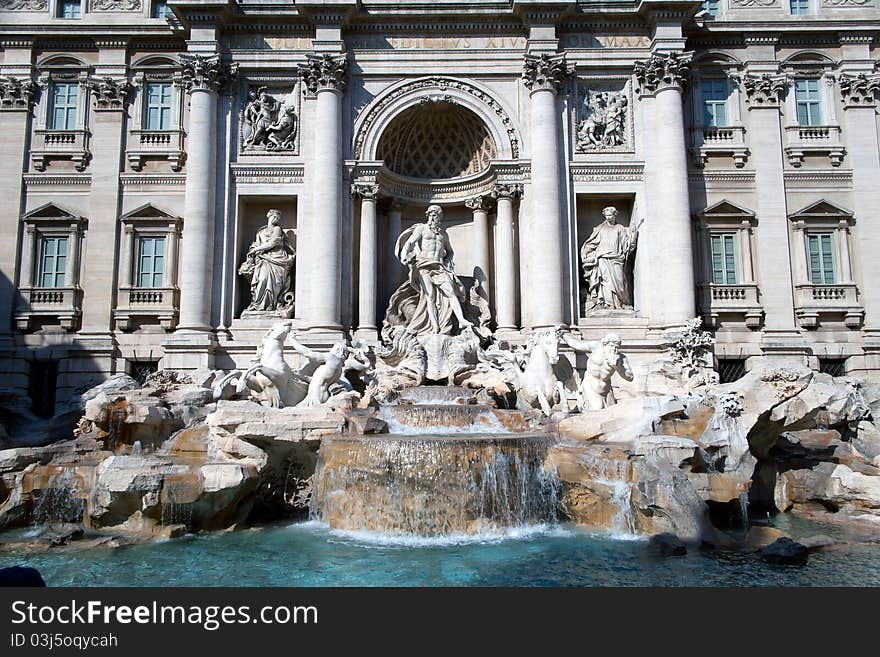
143	144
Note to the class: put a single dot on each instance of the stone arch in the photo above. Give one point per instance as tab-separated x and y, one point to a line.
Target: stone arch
393	101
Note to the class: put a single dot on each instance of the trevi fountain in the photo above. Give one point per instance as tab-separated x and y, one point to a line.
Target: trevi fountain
446	455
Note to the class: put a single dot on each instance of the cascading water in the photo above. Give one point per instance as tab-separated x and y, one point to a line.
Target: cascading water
443	469
57	501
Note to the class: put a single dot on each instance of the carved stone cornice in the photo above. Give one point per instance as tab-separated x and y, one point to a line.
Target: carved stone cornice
109	94
205	72
16	94
365	191
859	90
764	90
324	71
661	72
481	202
508	190
547	71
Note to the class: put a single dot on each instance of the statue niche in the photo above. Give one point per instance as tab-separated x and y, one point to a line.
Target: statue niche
605	257
269	124
268	265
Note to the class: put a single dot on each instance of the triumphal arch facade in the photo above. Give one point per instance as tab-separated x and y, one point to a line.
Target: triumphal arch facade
178	175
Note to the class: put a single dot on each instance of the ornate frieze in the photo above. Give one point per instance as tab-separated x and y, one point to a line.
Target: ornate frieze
16	94
847	3
764	90
545	71
602	118
268	174
663	72
754	3
24	5
859	90
480	202
205	72
109	93
270	120
324	71
115	5
589	173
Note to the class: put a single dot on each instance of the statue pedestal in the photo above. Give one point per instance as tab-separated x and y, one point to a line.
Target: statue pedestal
449	354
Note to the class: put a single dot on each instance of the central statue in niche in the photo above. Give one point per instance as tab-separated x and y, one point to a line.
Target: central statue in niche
431	297
446	320
604	257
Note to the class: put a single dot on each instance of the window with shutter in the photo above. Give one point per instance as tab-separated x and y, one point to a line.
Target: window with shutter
724	259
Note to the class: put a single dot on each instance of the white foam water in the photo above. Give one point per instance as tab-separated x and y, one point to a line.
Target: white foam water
485	422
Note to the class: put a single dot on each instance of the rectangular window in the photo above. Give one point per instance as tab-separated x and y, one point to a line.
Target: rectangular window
821	252
724	259
799	7
833	366
160	9
64	101
731	369
69	9
53	262
139	370
809	102
711	7
714	93
158	106
151	261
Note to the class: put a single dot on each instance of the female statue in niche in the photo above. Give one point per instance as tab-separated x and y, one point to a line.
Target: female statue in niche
269	265
604	257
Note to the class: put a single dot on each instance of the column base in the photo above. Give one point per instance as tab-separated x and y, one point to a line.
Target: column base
322	335
369	334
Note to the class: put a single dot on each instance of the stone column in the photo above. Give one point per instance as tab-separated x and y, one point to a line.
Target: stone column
480	205
763	98
324	76
505	258
860	119
369	264
663	78
203	76
543	271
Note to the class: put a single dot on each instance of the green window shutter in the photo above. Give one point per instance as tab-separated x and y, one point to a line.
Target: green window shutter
717	260
730	259
723	247
827	259
815	260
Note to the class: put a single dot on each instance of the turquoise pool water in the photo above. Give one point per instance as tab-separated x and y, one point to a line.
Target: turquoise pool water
310	554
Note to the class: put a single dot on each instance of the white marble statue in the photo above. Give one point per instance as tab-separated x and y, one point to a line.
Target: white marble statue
269	265
604	360
269	123
324	372
605	122
531	370
604	257
429	302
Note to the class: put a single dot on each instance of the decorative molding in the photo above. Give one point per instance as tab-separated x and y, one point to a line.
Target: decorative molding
859	90
115	5
24	5
365	191
663	72
545	71
812	178
324	72
109	94
606	172
754	3
16	93
131	179
268	174
441	84
764	91
723	178
65	179
205	72
847	3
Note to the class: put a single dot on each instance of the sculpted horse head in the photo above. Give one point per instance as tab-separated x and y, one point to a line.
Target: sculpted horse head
544	341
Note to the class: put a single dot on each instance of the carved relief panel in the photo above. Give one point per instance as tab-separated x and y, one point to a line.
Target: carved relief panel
602	115
269	118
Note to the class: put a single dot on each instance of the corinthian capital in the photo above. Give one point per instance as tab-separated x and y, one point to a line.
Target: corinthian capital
16	94
507	190
324	71
859	90
663	72
545	71
481	202
109	93
764	90
365	191
205	72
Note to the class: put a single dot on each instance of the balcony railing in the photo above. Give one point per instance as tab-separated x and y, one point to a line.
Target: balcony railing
712	141
60	144
813	303
803	140
157	303
738	299
63	304
157	144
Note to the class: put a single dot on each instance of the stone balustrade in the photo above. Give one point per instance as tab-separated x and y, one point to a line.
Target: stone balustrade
802	141
740	301
60	144
157	304
49	304
815	303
